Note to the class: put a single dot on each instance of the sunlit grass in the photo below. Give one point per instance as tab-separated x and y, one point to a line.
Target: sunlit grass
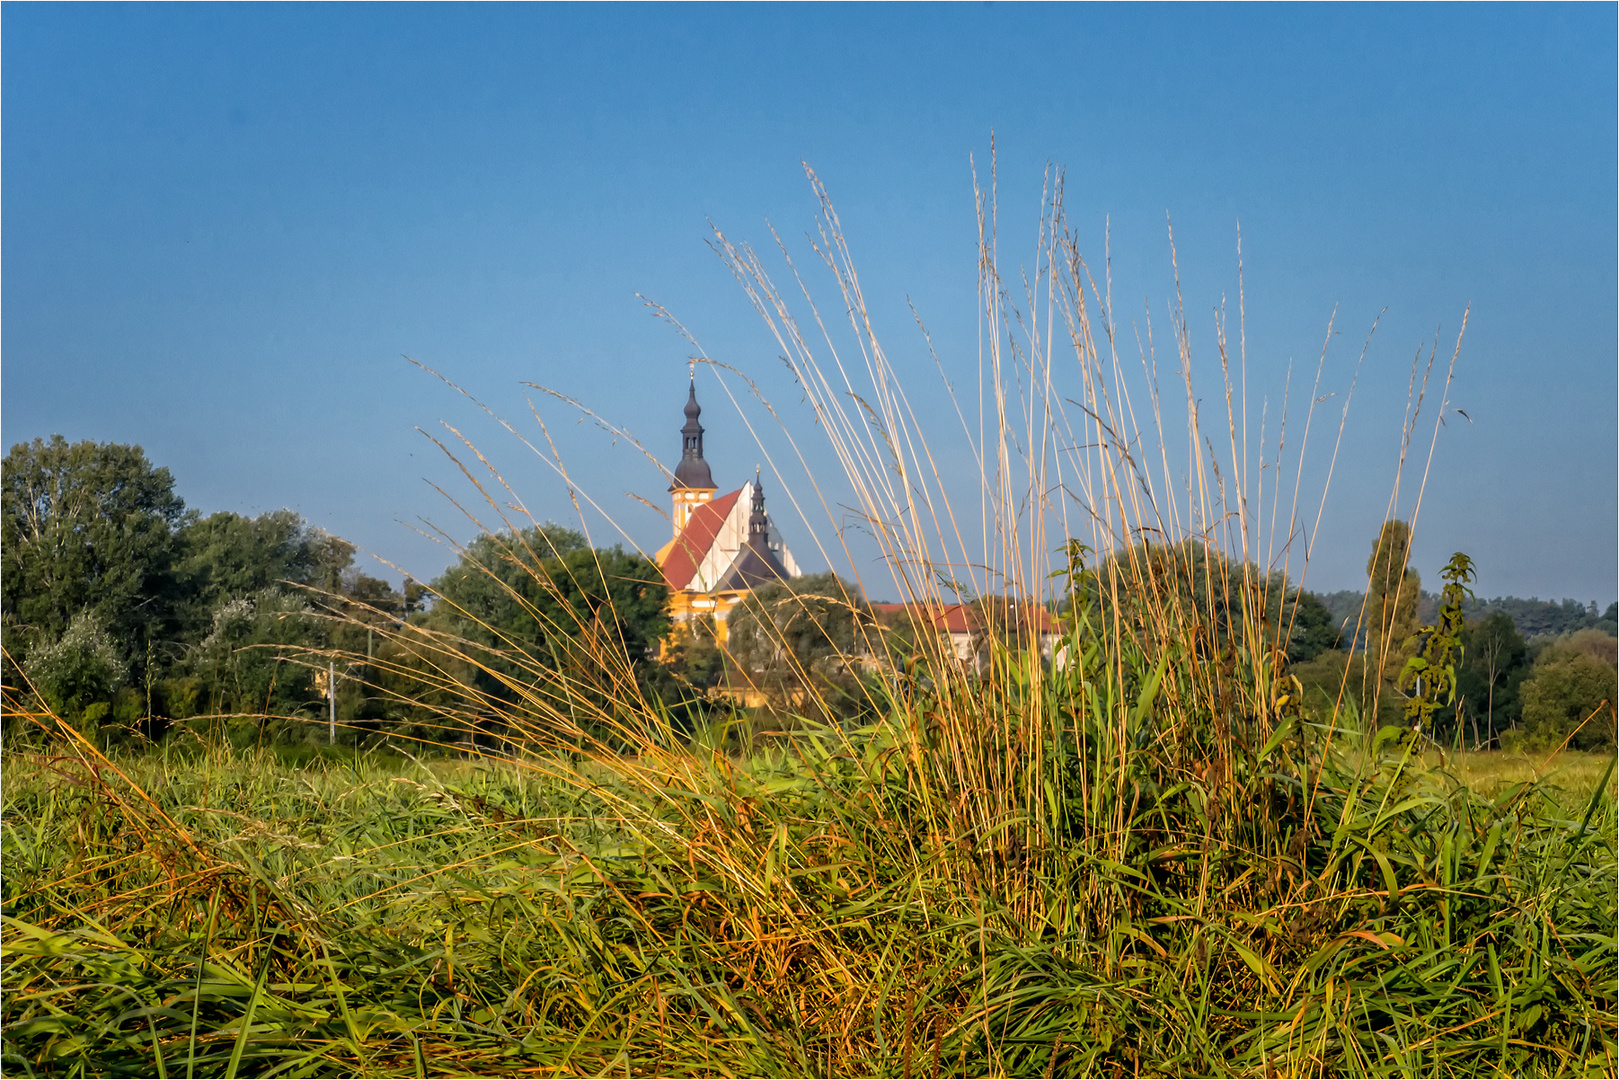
1572	773
470	919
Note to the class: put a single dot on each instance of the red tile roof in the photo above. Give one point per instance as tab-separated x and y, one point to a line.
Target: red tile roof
681	564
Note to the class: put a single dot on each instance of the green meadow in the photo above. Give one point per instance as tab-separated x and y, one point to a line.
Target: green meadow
815	909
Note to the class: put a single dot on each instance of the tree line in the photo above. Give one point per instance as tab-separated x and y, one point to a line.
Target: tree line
1533	618
128	613
125	611
1532	673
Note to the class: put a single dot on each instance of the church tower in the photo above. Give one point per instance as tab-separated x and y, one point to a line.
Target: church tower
693	484
757	562
724	546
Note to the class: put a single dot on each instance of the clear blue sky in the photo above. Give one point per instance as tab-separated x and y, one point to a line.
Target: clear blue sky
225	225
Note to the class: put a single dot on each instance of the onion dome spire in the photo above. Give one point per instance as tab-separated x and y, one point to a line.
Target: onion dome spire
756	563
692	472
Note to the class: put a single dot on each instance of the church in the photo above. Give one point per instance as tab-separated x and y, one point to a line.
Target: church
724	546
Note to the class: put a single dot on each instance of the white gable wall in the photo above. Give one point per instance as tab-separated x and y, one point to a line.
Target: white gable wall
779	546
729	540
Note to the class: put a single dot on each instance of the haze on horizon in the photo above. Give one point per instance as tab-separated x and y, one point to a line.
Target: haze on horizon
227	225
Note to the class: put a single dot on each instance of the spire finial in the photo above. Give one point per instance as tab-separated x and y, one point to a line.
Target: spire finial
758	523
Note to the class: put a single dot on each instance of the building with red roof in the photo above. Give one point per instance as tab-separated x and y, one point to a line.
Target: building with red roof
969	627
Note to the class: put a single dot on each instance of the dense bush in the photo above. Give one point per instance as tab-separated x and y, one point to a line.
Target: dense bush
1571	693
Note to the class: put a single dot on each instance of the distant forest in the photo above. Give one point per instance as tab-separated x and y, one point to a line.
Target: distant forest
1533	618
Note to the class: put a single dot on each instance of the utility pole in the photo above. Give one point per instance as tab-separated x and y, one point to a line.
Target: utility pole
331	698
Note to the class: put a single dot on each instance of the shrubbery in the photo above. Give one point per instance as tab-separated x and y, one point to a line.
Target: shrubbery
1570	694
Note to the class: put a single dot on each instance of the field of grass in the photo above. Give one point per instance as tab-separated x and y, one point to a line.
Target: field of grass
1148	859
1572	775
791	914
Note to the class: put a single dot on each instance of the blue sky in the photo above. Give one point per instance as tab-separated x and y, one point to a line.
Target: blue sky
224	226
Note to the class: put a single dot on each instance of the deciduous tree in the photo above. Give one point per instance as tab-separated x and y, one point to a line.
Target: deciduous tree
1570	692
529	605
225	556
796	641
85	526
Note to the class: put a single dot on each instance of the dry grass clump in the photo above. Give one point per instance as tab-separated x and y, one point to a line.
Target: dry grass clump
1145	859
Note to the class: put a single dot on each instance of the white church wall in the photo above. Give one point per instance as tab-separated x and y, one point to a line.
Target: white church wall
729	540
